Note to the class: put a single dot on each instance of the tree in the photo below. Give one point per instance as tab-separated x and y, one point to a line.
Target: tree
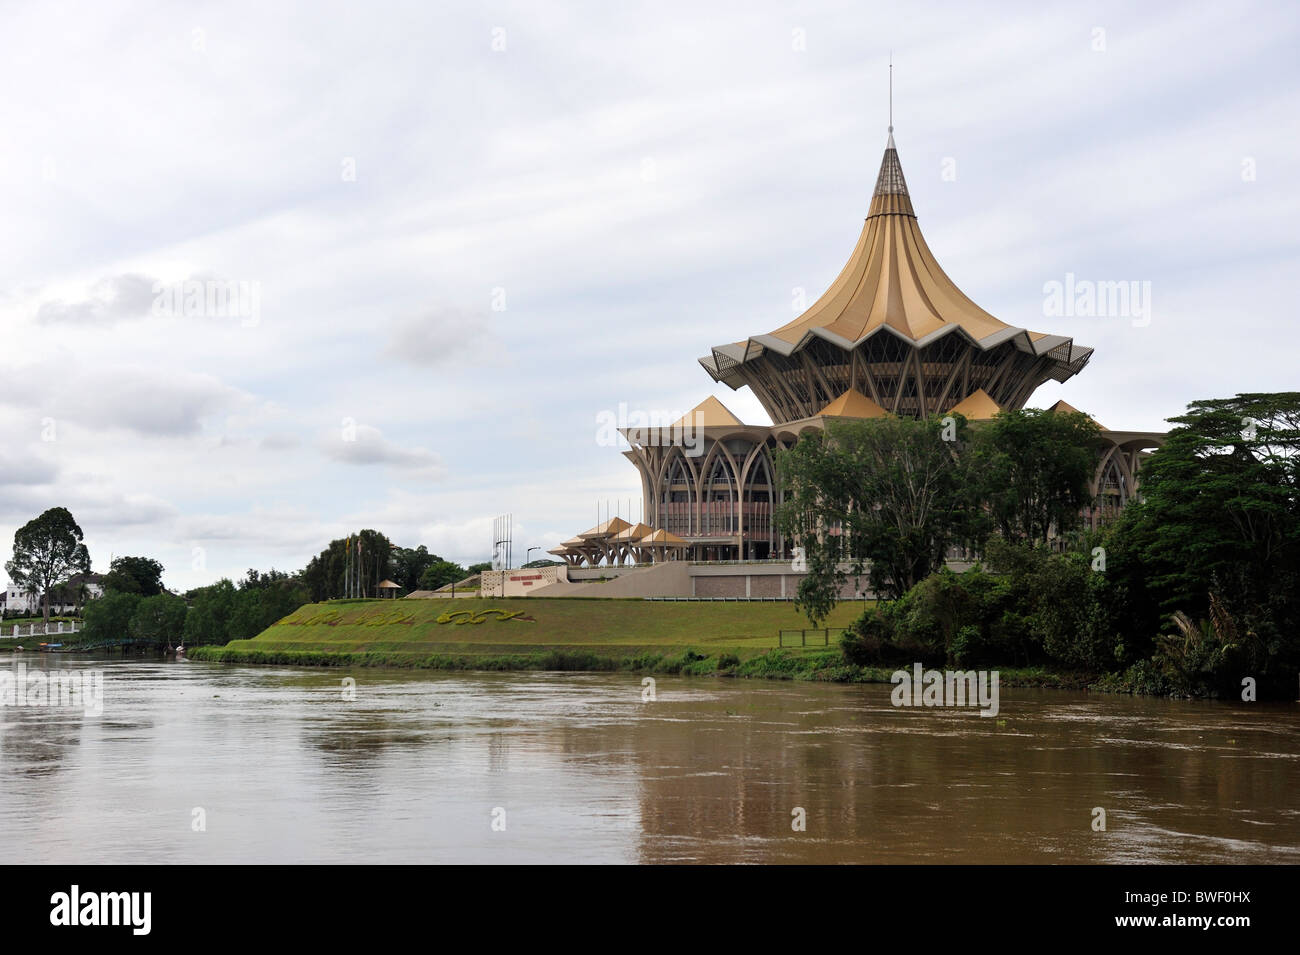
408	564
478	568
72	591
441	573
134	575
109	617
335	572
1035	466
1216	535
261	600
159	619
211	608
891	493
47	550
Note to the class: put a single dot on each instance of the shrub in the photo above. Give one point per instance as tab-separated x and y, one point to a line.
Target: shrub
868	640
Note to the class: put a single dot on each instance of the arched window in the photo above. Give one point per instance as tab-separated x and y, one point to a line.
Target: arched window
720	497
759	501
677	496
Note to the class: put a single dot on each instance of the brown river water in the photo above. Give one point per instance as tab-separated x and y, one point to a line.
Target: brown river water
193	762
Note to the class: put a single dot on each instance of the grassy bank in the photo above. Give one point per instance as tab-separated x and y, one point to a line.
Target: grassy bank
723	639
479	630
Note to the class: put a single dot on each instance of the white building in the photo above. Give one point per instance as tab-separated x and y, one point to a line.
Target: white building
65	598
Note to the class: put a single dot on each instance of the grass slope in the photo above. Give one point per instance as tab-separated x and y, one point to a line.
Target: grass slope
612	628
725	639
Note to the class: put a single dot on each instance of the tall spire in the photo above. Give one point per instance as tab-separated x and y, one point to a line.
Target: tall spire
890	195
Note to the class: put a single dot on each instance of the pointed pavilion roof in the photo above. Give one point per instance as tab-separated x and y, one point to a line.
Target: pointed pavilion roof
662	536
893	284
1066	408
632	534
853	404
977	406
604	529
708	412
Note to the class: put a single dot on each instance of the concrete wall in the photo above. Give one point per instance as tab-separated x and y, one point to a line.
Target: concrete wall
675	578
669	579
741	581
522	582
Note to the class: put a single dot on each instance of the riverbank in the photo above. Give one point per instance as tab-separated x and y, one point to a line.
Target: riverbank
394	630
735	639
822	665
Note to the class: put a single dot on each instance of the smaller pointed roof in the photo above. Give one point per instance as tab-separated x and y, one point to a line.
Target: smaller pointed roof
388	585
1065	408
604	529
853	404
977	406
707	413
662	536
633	533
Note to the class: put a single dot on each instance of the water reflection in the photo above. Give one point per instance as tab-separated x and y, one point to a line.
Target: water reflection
287	770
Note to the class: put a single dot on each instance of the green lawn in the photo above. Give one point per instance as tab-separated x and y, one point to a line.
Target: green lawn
609	627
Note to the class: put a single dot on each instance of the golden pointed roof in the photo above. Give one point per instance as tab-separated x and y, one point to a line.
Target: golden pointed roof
892	278
893	284
709	412
632	534
663	537
977	406
1066	408
604	529
853	404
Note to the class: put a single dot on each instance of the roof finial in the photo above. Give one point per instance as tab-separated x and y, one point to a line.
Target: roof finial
891	91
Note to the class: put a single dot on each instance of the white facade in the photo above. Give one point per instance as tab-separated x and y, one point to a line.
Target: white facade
20	602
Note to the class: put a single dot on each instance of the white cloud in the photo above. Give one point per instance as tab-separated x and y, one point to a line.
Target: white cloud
366	445
112	299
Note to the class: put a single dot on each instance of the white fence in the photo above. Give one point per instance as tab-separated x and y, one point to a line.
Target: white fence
40	629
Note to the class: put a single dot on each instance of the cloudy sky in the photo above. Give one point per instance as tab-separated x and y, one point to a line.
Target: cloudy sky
463	231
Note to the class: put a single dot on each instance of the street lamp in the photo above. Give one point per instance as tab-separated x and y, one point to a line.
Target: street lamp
529	551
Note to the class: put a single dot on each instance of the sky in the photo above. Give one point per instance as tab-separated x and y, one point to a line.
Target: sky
462	235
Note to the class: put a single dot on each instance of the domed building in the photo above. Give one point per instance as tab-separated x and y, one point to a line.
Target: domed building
892	336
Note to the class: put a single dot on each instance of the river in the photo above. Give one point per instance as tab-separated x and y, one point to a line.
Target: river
194	762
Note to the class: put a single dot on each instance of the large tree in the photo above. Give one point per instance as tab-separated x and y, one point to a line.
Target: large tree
1035	467
159	620
109	617
211	609
440	573
891	493
47	550
355	564
408	564
134	575
1217	535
